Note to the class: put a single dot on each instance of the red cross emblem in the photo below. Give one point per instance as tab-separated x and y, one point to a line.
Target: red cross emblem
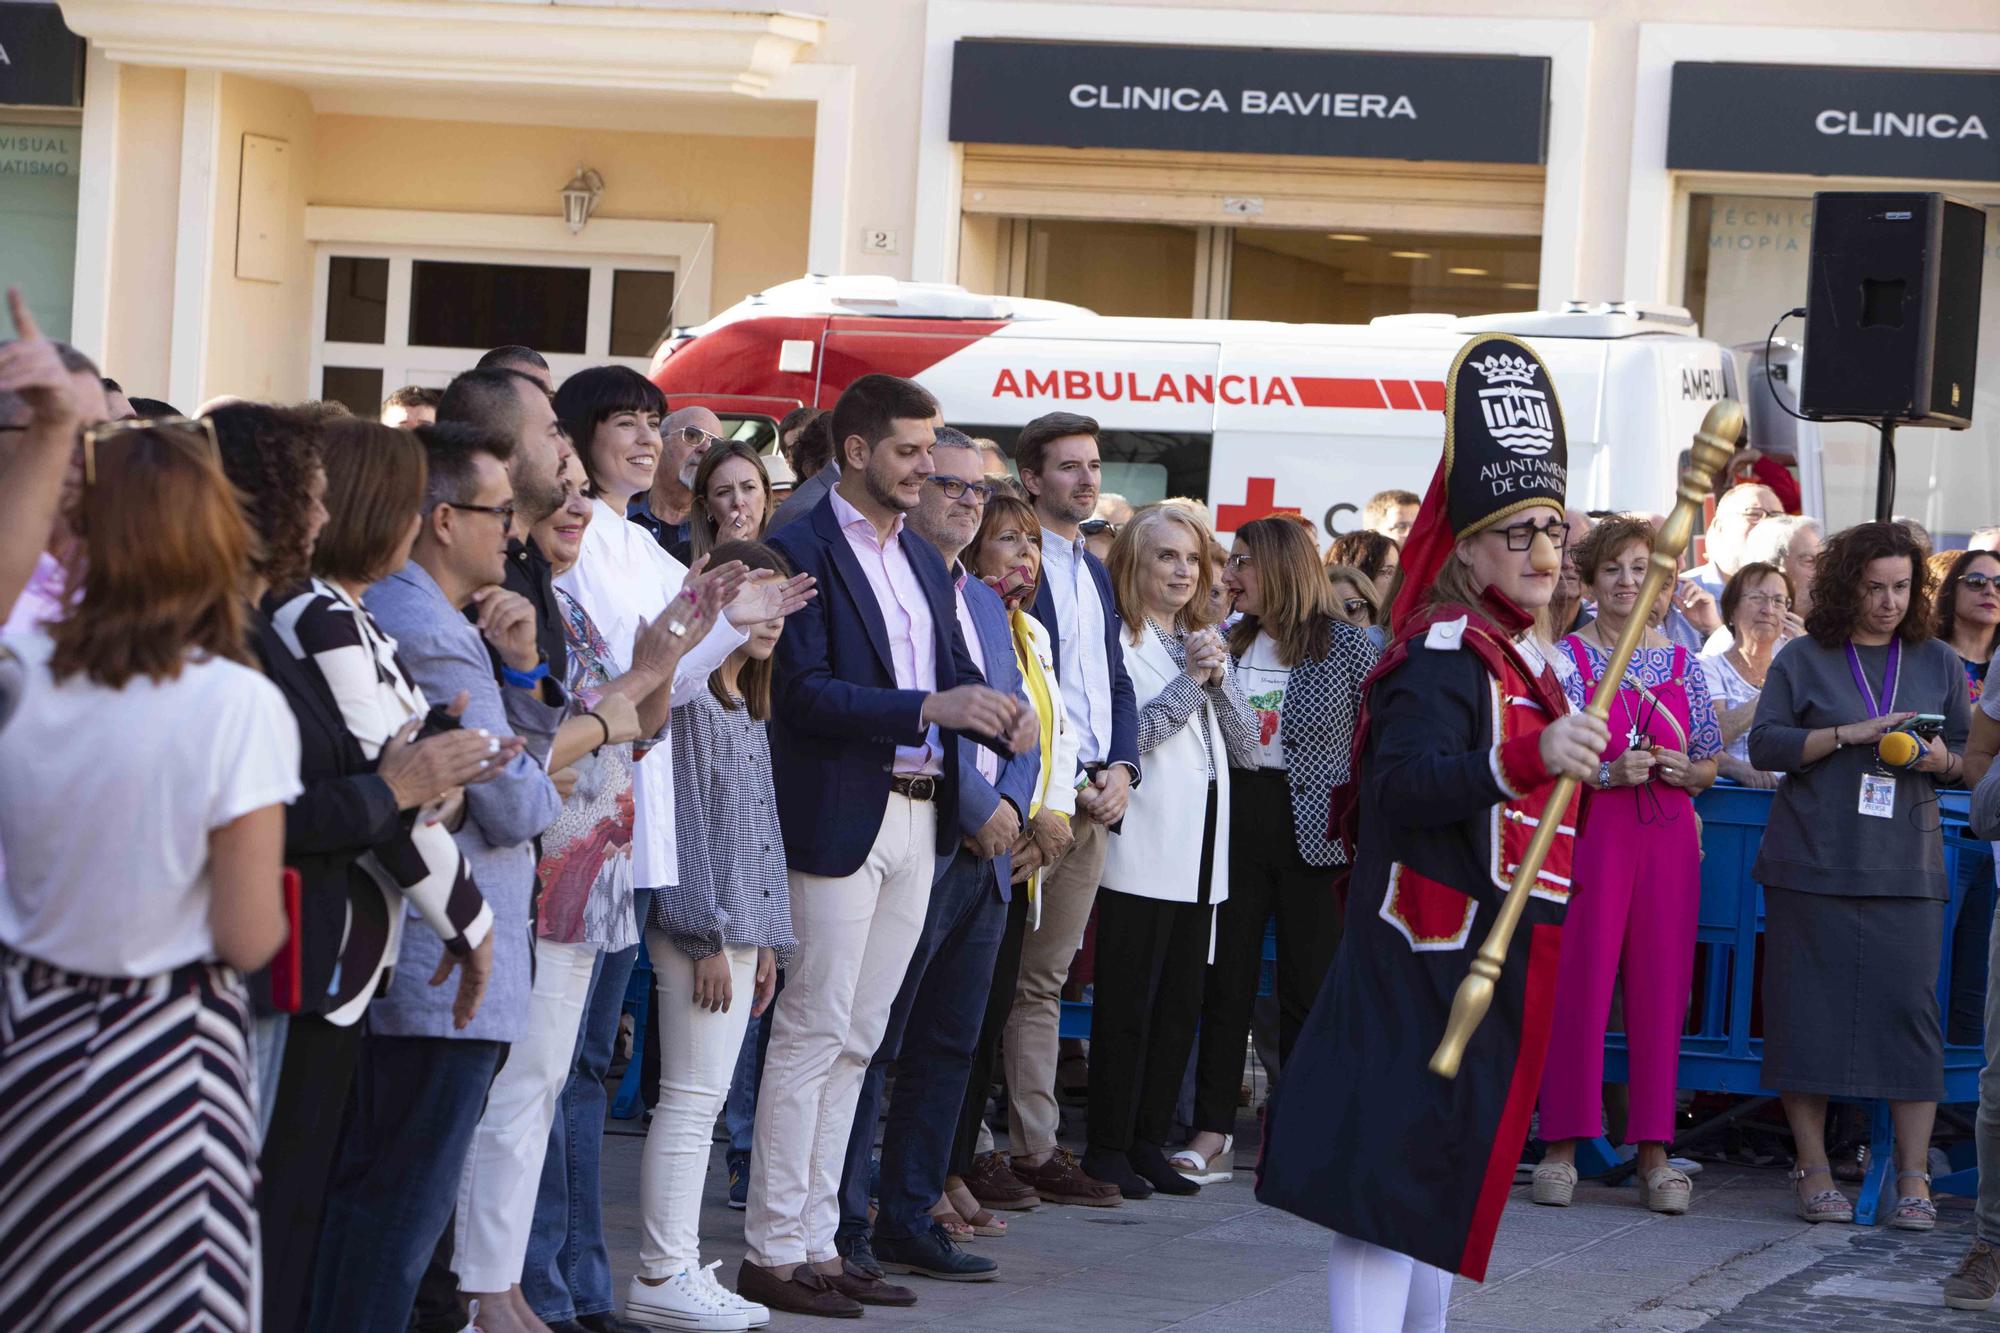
1259	501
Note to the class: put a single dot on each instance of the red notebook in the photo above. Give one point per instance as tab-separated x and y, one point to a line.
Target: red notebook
286	984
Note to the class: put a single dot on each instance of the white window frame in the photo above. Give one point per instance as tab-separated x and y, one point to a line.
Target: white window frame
402	237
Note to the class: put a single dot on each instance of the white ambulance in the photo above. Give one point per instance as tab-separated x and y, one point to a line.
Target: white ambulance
1255	418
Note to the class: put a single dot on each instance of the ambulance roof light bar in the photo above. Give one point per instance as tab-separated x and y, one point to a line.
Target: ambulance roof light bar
877	295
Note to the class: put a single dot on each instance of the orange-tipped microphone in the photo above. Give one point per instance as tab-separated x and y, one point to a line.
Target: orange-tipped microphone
1899	749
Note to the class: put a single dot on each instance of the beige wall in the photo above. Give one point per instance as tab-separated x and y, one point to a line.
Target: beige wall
757	191
260	333
138	337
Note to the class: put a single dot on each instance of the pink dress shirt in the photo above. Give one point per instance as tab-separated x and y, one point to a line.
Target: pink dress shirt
906	615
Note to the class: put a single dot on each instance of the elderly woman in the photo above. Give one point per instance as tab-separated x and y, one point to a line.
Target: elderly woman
1637	878
1755	607
1853	872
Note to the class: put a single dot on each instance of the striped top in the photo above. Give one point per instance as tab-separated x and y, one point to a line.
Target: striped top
324	628
732	888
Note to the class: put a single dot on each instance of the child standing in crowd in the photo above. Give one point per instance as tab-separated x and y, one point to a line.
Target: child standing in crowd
716	940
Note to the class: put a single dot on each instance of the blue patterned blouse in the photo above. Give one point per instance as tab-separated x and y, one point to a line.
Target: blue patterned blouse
1653	667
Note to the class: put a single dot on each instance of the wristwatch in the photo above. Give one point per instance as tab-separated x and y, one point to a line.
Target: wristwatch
1604	776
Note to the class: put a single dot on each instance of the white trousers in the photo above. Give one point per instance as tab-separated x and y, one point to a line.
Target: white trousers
1373	1290
503	1169
856	935
698	1051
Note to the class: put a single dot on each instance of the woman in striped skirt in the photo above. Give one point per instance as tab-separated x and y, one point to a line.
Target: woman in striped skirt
143	778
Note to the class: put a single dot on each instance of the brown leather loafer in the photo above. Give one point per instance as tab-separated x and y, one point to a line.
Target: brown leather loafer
994	1185
868	1289
1061	1179
806	1291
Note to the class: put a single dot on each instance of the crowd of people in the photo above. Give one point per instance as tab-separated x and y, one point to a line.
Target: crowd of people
347	766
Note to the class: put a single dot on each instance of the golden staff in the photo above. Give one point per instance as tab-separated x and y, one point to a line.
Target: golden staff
1713	446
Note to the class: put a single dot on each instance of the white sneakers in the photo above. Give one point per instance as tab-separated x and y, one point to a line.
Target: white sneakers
692	1299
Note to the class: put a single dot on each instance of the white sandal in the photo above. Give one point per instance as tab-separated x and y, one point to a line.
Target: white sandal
1667	1189
1202	1170
1554	1184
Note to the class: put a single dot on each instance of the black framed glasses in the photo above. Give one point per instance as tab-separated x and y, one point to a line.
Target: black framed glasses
505	511
1521	536
195	435
954	487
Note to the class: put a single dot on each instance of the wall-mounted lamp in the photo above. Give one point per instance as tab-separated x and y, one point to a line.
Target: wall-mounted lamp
580	196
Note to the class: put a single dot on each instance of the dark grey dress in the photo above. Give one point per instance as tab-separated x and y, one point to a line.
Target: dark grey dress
1853	903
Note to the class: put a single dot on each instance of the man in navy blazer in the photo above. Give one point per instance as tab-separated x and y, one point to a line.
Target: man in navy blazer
934	1024
873	690
1058	458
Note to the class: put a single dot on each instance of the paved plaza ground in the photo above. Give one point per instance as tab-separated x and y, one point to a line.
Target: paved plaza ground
1219	1261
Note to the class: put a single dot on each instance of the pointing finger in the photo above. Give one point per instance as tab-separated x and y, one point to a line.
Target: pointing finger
24	322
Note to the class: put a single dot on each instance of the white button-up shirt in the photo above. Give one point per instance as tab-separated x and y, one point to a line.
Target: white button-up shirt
621	576
983	759
906	615
1083	666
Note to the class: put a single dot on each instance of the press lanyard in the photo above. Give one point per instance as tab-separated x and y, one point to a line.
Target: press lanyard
1876	708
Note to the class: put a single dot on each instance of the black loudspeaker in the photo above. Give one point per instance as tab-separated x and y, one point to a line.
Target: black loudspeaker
1892	312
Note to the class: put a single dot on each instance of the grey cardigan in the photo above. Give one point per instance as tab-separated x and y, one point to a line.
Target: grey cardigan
443	654
1817	840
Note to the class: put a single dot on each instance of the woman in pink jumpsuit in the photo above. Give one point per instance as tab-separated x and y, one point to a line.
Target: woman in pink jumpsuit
1637	882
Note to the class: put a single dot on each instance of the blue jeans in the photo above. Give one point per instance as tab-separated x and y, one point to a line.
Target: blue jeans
739	1113
933	1027
415	1103
568	1270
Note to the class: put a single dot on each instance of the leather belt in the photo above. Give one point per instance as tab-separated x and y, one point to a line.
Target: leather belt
916	786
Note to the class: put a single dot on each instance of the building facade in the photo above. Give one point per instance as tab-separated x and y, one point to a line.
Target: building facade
334	199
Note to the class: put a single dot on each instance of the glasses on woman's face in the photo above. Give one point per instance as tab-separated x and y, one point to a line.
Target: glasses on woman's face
1521	536
1236	563
1092	527
1356	606
1763	599
196	435
1979	582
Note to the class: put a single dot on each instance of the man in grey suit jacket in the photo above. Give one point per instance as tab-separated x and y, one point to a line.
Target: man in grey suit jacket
426	1066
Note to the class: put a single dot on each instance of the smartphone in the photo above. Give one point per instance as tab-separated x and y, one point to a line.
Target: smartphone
1926	726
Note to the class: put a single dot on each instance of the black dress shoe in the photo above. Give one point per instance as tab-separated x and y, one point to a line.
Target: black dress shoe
1150	1162
859	1256
1115	1168
933	1254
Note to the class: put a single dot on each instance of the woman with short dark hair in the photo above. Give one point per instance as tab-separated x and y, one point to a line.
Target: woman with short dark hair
1852	861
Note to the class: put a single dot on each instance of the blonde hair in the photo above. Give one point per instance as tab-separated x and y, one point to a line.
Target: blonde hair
1135	541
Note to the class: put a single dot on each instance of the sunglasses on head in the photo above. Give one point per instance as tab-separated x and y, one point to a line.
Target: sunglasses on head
194	435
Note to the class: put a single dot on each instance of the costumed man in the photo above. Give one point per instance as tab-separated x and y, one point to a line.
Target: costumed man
1464	729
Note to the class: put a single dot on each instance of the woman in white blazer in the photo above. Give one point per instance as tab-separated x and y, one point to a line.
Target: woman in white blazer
1168	863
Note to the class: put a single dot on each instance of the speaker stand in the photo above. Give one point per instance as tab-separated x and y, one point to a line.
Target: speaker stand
1885	473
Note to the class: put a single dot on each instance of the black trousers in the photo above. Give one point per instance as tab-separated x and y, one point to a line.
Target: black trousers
999	1001
1148	978
306	1117
1267	876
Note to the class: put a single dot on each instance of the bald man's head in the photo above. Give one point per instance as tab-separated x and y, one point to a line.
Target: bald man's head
685	436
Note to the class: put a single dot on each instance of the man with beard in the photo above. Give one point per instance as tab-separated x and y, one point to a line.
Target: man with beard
1058	459
875	690
513	406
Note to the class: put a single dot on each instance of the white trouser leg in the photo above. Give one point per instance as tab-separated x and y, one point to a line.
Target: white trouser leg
1374	1290
856	935
698	1051
503	1169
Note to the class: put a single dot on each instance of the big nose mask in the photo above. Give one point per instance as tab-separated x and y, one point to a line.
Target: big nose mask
1543	557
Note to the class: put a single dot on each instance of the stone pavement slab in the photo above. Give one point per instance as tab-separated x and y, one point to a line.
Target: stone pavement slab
1221	1263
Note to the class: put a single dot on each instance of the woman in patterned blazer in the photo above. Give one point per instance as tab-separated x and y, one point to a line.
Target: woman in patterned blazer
1301	666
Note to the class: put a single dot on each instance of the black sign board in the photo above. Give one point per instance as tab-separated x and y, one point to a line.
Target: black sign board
1243	99
41	60
1821	120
